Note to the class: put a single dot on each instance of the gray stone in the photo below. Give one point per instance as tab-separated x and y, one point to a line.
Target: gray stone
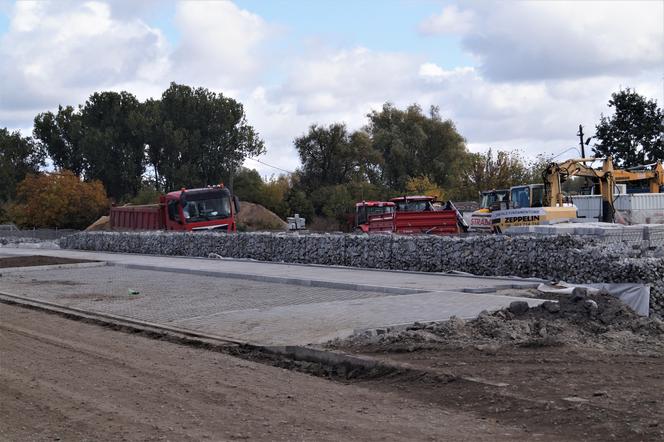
518	307
551	307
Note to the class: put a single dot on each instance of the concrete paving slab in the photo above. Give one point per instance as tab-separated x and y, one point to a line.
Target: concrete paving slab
260	312
417	281
318	323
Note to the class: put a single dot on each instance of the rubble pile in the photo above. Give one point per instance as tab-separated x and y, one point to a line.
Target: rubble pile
573	259
581	320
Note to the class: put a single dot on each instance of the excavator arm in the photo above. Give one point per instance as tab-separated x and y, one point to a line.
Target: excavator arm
654	177
556	173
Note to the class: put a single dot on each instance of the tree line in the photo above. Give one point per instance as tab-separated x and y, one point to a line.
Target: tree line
193	137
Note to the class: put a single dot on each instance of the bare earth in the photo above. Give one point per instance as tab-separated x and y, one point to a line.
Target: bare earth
584	368
29	261
66	380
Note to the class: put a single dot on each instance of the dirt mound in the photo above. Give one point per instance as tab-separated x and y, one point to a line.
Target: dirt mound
103	223
256	217
597	321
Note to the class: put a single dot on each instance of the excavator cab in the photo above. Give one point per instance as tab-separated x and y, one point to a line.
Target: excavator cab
531	195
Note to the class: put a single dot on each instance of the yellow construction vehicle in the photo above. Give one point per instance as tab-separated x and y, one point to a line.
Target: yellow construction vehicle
607	177
545	203
480	220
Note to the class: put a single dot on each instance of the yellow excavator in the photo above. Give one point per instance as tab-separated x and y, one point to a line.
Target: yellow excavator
607	177
545	203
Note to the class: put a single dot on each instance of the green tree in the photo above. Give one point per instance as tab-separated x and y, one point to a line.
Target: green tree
634	134
19	156
60	136
195	137
331	155
299	203
249	186
112	142
275	191
413	144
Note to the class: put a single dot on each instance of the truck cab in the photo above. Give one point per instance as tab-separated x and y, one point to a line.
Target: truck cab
209	208
416	203
366	209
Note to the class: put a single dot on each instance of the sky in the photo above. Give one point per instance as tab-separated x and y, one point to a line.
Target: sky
510	74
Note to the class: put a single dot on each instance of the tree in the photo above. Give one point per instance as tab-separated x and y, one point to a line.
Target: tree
331	155
634	134
486	171
248	185
274	195
19	156
60	137
422	185
196	137
299	203
413	144
112	143
58	199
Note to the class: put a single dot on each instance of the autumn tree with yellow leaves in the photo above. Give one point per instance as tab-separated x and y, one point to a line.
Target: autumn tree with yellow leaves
58	200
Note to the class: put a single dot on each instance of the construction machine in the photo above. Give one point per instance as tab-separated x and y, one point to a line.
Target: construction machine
545	203
480	220
606	179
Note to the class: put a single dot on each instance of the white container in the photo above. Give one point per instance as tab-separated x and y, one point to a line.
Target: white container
588	207
641	208
634	208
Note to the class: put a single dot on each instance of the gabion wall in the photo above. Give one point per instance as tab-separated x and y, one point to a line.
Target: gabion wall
564	257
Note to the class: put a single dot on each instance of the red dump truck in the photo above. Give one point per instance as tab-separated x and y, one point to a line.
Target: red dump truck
409	215
209	208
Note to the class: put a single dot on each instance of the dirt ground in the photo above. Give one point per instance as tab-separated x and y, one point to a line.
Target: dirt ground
36	260
65	380
588	371
584	368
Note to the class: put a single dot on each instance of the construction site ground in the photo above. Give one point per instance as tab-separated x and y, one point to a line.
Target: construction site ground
71	381
261	303
68	380
583	366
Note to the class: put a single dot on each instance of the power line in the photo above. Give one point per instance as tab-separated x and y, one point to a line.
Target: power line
270	165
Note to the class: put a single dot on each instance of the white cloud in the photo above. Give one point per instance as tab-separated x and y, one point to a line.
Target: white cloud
562	39
451	20
57	56
220	44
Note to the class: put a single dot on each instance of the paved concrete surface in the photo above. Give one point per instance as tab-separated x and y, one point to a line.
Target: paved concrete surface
293	311
342	275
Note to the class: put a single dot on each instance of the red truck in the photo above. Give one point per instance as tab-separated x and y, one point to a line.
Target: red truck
209	208
410	215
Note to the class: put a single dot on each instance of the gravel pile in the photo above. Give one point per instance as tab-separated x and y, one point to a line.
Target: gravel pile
573	259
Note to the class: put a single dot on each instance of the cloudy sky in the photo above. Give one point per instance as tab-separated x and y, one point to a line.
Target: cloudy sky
510	74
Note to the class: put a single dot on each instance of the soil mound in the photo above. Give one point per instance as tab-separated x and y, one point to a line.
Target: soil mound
256	217
103	223
581	320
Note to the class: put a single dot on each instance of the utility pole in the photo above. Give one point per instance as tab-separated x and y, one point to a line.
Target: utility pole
583	147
